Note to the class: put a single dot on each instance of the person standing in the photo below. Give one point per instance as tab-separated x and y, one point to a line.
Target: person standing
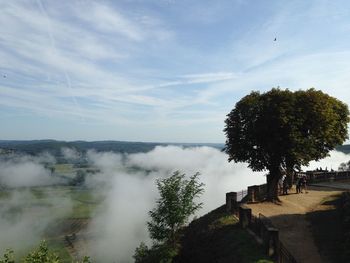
285	186
304	183
298	184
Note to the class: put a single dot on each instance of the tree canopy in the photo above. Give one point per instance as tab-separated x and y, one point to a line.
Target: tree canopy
280	130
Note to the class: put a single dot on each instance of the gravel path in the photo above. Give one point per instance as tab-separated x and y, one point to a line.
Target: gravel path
289	217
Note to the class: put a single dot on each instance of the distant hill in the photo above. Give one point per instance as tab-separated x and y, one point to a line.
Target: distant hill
344	148
54	147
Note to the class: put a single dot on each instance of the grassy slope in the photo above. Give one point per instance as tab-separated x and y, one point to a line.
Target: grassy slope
216	237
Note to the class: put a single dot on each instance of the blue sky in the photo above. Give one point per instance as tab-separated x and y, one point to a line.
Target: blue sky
159	70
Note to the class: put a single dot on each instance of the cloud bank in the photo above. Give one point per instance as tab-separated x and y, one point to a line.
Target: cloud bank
127	183
121	223
26	171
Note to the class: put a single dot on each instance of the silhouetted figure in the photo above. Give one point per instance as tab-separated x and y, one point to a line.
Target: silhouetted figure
304	183
285	186
275	39
298	185
280	186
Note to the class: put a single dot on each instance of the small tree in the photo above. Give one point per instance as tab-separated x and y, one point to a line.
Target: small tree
174	206
344	166
42	255
281	130
141	253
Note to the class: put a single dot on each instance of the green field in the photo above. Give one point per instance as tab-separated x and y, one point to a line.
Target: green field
66	169
70	207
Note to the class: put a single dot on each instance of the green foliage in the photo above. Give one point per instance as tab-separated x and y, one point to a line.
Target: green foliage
281	130
161	253
217	237
8	257
141	253
174	207
42	254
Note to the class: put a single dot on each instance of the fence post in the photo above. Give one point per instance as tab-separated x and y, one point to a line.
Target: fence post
255	193
231	202
272	242
245	216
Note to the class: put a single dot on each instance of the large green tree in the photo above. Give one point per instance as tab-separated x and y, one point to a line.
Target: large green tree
281	130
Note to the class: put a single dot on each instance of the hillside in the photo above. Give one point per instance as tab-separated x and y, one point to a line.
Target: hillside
216	237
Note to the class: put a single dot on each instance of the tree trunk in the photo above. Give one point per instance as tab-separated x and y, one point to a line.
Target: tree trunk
272	182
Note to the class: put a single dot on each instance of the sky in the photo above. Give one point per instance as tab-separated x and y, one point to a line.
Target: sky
159	70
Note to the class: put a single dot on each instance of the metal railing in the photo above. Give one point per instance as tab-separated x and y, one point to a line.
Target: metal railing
241	194
284	256
319	176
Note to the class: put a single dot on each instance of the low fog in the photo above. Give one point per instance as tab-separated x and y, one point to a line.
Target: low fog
23	221
128	183
121	223
26	171
331	162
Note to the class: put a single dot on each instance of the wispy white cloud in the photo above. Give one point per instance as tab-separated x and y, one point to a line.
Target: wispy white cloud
137	63
106	19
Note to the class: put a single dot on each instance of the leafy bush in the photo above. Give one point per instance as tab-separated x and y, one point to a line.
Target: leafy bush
42	254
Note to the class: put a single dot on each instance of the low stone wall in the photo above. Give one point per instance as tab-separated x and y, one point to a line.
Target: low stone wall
256	193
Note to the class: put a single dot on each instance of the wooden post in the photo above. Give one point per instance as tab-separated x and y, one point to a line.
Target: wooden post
231	202
251	194
272	242
245	216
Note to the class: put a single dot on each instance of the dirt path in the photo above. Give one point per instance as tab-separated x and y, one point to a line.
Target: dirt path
290	218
